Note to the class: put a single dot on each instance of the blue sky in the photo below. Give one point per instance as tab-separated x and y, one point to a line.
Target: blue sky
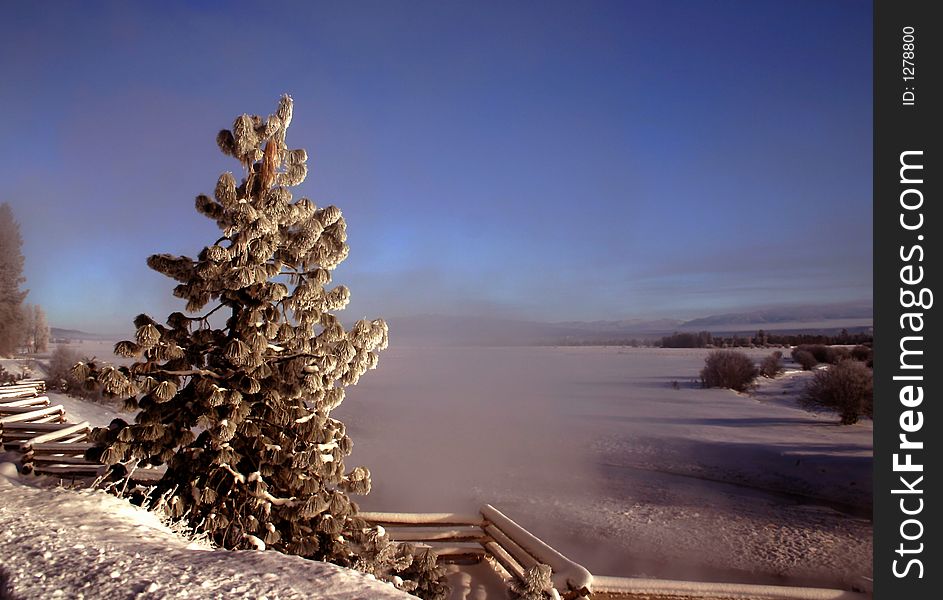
544	160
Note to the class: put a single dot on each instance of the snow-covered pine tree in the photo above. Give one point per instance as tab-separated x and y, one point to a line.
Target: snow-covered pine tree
11	277
537	584
240	414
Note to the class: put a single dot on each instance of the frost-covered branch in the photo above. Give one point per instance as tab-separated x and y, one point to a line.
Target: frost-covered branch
270	267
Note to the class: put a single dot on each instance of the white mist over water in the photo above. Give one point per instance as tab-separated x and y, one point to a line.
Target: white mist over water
594	450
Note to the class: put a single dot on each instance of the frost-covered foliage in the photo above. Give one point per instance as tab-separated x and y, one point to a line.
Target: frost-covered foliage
35	328
728	369
59	375
240	414
11	277
537	584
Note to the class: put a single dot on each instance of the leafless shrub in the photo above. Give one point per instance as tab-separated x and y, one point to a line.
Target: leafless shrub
862	353
847	387
836	354
819	351
829	355
728	369
805	358
772	365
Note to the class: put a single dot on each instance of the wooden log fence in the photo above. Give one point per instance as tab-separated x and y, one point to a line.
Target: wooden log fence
628	588
491	537
18	390
32	414
52	446
510	550
31	401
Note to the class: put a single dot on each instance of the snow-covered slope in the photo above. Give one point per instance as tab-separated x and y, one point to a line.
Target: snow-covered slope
60	543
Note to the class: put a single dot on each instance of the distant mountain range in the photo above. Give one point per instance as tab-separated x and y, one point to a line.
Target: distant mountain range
793	314
462	330
57	333
480	331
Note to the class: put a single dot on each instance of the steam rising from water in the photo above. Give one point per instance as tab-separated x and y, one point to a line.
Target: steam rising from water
440	427
595	451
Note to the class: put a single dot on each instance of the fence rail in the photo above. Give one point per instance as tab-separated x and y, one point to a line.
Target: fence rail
627	588
510	550
49	443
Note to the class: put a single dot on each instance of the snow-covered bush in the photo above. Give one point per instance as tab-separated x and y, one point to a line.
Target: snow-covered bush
537	584
12	322
240	413
728	369
847	387
772	365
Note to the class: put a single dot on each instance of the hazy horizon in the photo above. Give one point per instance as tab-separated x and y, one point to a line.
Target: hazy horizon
482	329
543	161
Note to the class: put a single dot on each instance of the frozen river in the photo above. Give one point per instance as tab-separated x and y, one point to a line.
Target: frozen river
620	460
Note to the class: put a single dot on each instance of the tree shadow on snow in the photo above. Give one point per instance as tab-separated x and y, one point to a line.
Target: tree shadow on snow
833	475
6	588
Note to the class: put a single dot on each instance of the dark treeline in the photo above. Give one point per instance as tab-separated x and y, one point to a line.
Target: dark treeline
701	339
595	341
704	339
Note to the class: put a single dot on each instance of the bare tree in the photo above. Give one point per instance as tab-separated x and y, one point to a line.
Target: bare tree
35	329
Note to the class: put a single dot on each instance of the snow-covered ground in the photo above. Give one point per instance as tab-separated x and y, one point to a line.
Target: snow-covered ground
597	452
72	543
59	543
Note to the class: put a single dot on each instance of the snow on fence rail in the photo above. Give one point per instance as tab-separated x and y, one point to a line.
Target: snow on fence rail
22	389
30	401
32	414
627	588
456	538
48	442
491	537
